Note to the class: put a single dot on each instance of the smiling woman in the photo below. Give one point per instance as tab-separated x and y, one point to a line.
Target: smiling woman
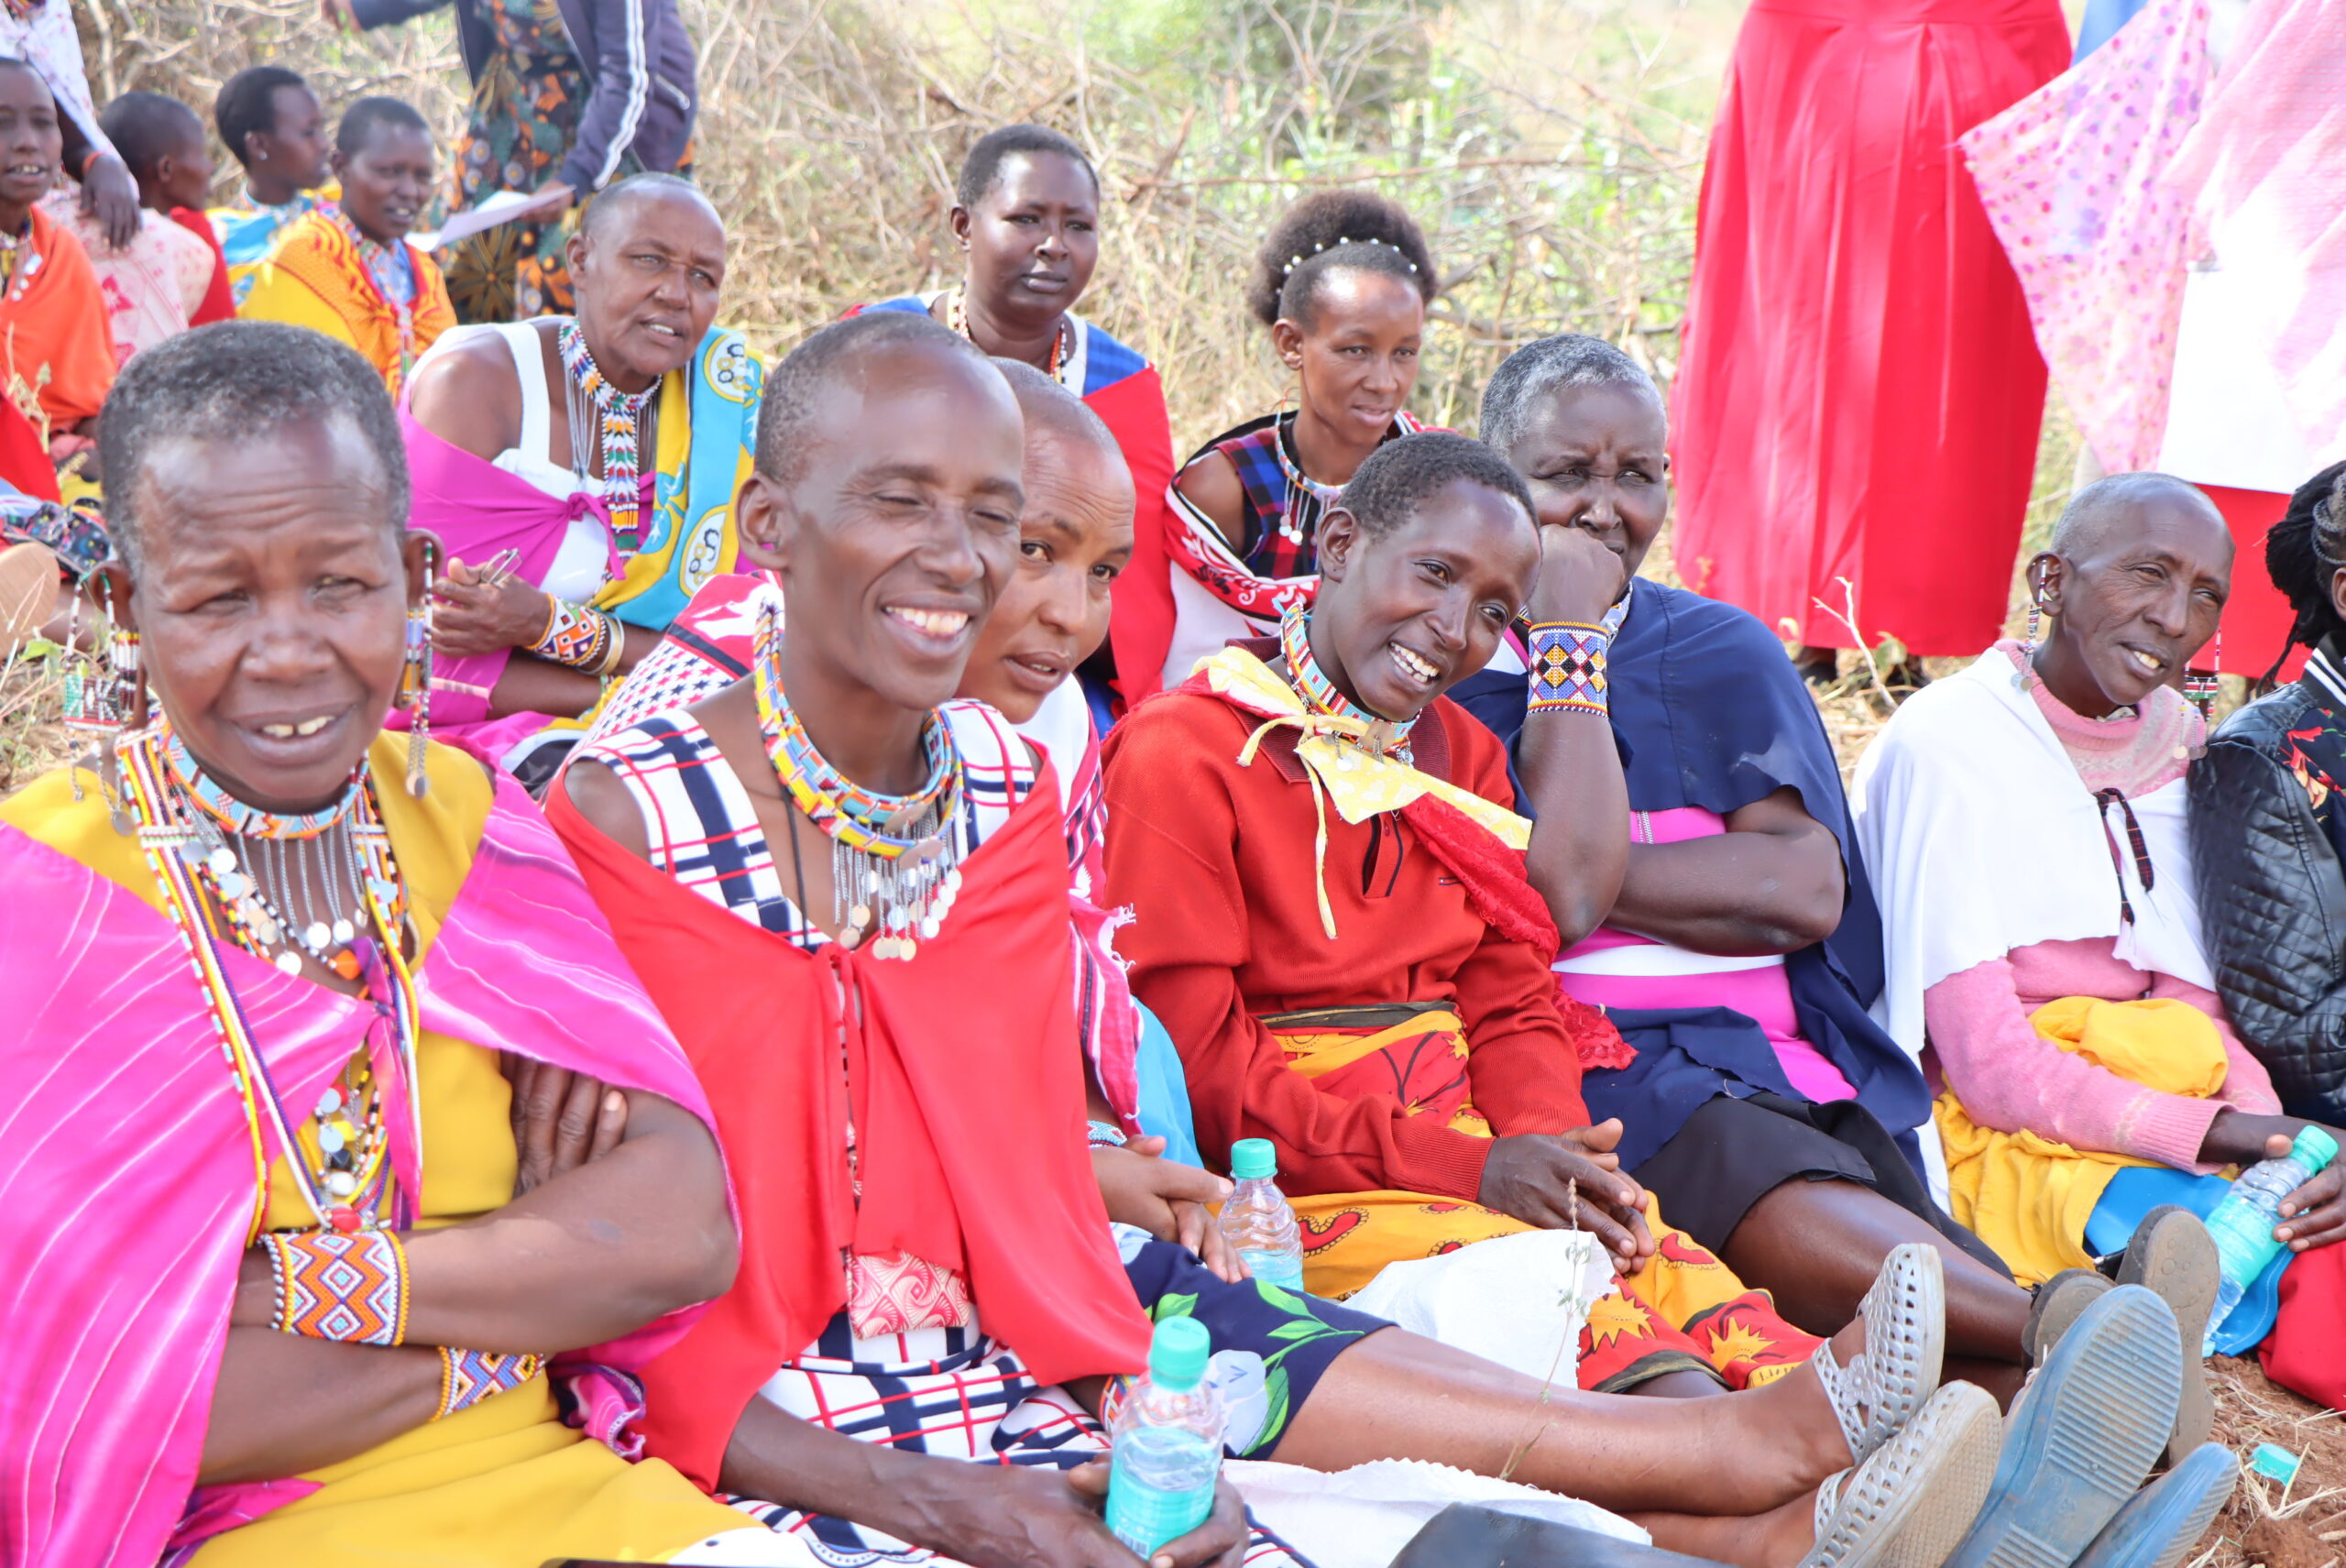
349	271
244	885
56	355
1343	283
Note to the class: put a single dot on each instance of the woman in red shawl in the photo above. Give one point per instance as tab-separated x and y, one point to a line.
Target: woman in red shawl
1859	394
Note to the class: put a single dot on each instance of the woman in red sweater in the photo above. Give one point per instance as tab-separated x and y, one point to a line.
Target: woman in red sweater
1333	924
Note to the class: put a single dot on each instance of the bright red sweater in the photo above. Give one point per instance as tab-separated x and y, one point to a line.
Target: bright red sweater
1216	860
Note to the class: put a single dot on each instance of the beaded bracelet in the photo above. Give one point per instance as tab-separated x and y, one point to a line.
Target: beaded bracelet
468	1377
346	1286
1568	667
578	636
1103	1136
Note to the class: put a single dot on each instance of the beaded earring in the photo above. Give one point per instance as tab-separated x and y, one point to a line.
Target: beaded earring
2030	641
2200	687
102	698
415	679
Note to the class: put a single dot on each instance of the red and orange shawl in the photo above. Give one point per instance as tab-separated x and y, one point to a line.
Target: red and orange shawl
315	278
55	344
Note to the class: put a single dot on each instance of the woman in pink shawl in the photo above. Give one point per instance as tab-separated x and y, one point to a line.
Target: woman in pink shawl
277	1274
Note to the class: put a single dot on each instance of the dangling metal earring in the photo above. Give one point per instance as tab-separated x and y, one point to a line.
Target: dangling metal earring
415	680
2030	642
2201	686
102	698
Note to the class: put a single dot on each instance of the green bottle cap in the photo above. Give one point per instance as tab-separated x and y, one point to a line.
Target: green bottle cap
1178	1354
2314	1150
1254	1159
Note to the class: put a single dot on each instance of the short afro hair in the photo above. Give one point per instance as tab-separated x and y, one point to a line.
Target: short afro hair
247	104
1353	230
2091	510
237	383
983	167
363	118
1537	370
146	127
795	392
1402	475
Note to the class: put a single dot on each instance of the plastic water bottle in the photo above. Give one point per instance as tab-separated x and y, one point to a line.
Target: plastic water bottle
1257	1222
2243	1222
1168	1450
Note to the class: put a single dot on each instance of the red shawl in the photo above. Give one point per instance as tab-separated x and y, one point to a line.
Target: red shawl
970	1111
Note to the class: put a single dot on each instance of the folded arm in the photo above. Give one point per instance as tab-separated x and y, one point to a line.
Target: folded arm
1773	882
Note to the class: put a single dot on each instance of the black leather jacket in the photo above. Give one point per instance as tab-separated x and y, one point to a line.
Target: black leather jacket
2272	901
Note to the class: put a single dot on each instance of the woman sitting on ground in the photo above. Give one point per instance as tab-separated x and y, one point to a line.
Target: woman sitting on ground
580	473
953	1083
2025	822
346	1273
2266	840
348	271
1026	216
1339	936
1736	947
1342	284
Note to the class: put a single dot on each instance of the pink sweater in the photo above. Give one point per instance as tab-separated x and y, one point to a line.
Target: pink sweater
2008	1076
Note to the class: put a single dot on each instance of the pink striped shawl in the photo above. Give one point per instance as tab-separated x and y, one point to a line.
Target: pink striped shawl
126	1171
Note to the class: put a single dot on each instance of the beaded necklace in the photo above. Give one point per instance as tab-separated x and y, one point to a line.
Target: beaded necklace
1320	693
957	319
895	858
384	265
619	416
209	897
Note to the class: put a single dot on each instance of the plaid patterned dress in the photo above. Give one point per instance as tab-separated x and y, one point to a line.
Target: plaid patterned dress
939	1385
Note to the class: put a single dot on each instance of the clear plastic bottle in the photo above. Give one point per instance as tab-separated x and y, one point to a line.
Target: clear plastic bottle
2243	1222
1167	1453
1256	1221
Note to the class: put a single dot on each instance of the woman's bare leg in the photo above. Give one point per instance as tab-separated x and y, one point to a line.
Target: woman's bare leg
1777	1539
1816	1246
1397	1396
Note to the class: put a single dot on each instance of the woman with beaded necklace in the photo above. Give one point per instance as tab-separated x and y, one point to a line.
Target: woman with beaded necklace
1342	284
267	957
580	473
1026	216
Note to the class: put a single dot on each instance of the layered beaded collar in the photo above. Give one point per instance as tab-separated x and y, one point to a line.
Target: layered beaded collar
233	815
620	418
1320	693
893	856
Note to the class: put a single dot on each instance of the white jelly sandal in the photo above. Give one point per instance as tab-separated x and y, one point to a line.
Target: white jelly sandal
1914	1500
1886	1383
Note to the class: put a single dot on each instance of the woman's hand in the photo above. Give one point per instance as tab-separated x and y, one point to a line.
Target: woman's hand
2315	1214
473	618
1579	577
1570	1181
1220	1542
1168	1199
560	1120
110	196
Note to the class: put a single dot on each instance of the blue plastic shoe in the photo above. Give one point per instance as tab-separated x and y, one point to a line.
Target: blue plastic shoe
2168	1518
2082	1435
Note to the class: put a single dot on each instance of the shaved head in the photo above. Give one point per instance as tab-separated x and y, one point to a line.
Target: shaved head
621	197
2122	502
799	388
1046	405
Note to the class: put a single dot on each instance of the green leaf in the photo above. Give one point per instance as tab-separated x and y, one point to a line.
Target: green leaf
1283	1299
1173	1306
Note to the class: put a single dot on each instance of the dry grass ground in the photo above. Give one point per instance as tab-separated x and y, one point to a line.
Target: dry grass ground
1551	147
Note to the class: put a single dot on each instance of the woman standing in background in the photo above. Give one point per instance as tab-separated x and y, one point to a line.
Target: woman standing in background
1861	392
568	96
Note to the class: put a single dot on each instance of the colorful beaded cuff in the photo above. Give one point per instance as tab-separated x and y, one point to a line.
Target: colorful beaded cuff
1568	667
577	636
1103	1136
346	1286
468	1377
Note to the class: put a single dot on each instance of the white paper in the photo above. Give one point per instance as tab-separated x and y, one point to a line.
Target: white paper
498	207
